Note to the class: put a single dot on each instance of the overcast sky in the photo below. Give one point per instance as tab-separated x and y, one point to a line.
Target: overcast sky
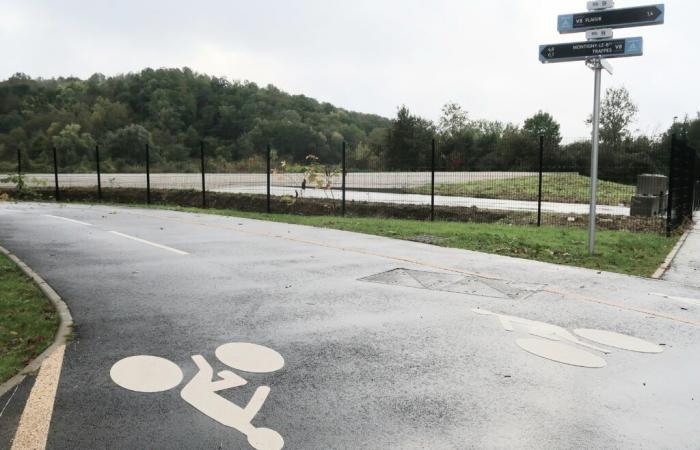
365	55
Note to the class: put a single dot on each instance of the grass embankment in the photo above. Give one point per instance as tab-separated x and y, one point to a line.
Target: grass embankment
556	187
28	321
616	251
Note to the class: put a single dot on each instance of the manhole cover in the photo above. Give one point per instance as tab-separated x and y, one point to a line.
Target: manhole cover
457	283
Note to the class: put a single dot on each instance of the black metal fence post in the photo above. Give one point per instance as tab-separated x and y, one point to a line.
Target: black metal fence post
148	175
269	151
99	174
57	194
204	186
19	162
671	176
343	180
432	182
539	187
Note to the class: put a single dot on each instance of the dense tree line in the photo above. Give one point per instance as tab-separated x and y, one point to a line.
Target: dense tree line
465	144
174	110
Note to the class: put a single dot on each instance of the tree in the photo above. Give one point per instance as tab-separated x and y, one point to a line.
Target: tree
75	146
128	144
453	120
543	124
408	141
617	112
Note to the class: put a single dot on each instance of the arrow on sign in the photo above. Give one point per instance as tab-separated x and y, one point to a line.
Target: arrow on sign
611	18
581	51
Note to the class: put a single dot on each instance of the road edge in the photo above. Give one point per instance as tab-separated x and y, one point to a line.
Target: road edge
663	268
64	326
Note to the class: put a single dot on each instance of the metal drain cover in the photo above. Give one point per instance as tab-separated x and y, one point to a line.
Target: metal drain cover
452	282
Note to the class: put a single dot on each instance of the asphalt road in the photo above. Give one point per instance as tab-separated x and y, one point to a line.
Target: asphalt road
399	360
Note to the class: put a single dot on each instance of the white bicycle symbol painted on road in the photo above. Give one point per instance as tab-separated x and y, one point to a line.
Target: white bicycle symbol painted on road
145	373
552	348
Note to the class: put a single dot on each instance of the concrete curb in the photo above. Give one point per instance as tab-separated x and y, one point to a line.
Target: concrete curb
64	327
669	259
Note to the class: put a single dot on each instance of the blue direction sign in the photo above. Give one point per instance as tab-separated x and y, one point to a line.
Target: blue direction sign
611	18
580	51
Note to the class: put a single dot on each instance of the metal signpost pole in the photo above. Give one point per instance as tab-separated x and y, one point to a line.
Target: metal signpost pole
598	24
597	68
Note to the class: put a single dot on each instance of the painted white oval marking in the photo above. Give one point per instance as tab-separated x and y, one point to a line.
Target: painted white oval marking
145	373
619	340
250	357
556	351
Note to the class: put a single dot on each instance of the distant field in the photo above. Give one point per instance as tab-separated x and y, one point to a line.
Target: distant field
556	187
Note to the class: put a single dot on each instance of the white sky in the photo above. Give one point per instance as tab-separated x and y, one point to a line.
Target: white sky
365	55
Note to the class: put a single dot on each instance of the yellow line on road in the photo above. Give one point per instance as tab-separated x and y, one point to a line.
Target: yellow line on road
33	428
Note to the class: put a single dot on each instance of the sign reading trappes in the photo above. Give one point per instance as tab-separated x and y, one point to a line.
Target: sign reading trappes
580	51
611	18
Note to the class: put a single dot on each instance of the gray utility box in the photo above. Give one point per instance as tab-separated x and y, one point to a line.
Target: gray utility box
645	206
651	198
648	184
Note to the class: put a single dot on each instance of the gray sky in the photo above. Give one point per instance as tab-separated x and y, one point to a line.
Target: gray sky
364	55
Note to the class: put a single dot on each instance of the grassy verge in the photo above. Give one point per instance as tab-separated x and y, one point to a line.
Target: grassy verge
616	251
556	187
28	321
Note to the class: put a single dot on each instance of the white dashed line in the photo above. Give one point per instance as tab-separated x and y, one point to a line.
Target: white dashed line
143	241
69	220
692	301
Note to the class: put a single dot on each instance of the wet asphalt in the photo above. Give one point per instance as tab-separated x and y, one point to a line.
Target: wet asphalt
367	365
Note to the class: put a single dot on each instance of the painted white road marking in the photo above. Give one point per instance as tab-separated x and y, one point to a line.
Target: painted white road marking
68	220
617	340
540	329
556	351
568	354
34	424
145	373
250	357
692	301
143	241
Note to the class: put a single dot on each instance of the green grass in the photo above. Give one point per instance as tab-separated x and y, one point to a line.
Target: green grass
28	321
616	251
556	187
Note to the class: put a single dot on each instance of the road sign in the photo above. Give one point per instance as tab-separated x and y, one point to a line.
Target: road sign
580	51
611	18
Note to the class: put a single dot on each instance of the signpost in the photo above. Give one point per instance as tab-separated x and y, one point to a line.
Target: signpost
581	51
611	18
598	23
